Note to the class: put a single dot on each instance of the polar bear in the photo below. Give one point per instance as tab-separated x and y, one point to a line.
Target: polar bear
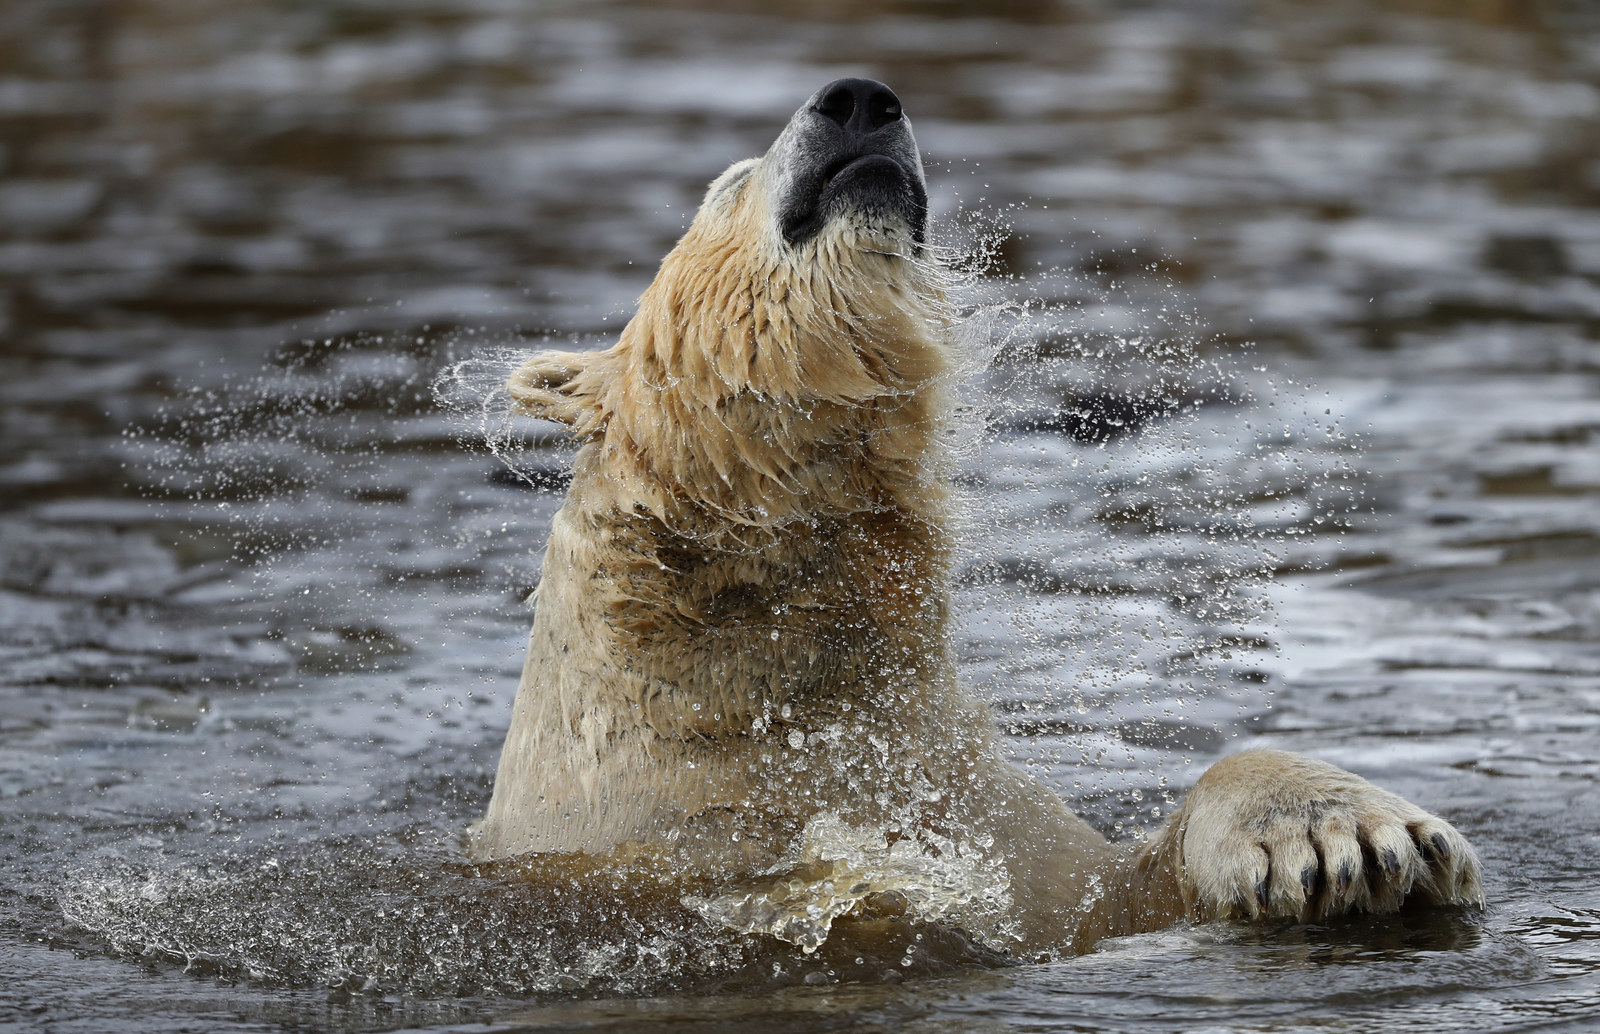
742	622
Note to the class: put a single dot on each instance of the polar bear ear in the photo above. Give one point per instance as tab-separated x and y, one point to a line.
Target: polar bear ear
725	186
545	387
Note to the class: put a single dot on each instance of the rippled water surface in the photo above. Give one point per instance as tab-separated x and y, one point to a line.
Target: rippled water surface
1307	290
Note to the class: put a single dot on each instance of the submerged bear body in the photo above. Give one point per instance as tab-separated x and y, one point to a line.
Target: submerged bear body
742	621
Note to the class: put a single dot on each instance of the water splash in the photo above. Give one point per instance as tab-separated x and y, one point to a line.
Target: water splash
839	866
473	390
356	917
1134	484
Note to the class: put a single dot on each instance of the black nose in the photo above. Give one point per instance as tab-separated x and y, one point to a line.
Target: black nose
863	105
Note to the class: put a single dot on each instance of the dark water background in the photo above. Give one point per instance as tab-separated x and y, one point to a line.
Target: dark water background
260	614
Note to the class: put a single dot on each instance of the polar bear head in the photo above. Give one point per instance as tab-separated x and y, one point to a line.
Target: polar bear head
801	314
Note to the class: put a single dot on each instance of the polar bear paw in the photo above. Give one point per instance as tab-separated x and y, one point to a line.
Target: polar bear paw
1266	833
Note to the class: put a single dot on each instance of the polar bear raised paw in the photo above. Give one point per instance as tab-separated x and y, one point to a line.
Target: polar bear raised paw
1266	833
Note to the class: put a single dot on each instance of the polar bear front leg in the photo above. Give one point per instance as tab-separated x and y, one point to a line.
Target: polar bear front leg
1268	833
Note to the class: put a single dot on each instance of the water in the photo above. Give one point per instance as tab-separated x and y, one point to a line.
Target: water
260	612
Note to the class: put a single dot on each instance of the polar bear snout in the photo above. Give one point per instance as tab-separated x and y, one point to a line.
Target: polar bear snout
849	154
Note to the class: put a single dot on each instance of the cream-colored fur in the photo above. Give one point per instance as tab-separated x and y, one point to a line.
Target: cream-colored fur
742	619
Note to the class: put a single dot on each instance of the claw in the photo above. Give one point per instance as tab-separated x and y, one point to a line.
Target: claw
1350	847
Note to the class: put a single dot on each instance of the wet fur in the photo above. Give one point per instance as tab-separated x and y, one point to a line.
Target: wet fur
742	617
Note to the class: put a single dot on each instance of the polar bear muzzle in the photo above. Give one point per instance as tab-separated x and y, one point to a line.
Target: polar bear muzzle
849	154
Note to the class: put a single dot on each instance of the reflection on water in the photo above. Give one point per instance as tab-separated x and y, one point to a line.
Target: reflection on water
260	593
